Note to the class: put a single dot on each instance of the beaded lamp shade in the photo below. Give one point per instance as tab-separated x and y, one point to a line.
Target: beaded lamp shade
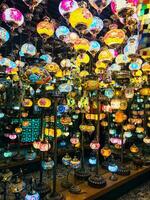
31	132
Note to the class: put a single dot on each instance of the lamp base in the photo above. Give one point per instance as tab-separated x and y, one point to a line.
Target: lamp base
55	196
75	189
123	171
96	181
66	184
82	174
113	177
42	189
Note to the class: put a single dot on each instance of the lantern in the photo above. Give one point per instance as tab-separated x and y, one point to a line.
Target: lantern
146	67
112	131
12	136
105	56
134	149
1	115
145	91
123	104
72	37
146	140
28	49
83	103
127	134
129	93
24	114
27	103
114	37
122	59
106	152
81	44
74	140
47	164
65	87
96	26
13	17
91	85
47	58
44	146
45	28
50	132
75	163
31	155
113	168
81	18
87	128
44	102
66	160
18	130
34	196
120	117
115	67
115	103
95	145
117	141
67	6
92	160
61	32
4	36
36	144
109	93
66	120
8	154
83	58
25	123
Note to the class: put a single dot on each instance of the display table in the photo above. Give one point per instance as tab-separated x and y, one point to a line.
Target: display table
89	193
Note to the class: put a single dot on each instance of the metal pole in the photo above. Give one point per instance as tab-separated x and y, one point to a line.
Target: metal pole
82	146
98	132
55	146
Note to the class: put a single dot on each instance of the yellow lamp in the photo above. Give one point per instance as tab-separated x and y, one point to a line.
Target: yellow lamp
114	37
81	44
83	73
145	91
52	67
83	58
45	28
81	18
50	132
101	65
105	56
145	53
122	59
44	102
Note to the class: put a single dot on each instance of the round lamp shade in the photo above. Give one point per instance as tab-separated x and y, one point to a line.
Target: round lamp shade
13	17
112	167
4	36
45	28
66	160
34	196
114	37
81	18
67	6
96	26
